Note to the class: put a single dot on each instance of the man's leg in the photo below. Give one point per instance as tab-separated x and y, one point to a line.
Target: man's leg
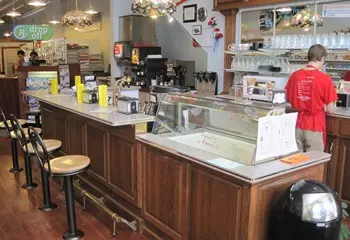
314	141
299	136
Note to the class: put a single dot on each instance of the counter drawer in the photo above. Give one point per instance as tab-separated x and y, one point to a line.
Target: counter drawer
331	125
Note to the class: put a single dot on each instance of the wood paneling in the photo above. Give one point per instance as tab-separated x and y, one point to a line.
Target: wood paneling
215	208
61	130
331	125
344	171
9	96
165	194
76	136
332	147
47	118
122	168
344	129
96	142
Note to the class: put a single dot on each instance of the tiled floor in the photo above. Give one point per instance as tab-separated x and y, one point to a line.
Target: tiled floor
21	219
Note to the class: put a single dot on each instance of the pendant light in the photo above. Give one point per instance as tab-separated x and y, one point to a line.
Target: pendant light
54	22
91	10
37	3
2	21
153	8
76	18
13	12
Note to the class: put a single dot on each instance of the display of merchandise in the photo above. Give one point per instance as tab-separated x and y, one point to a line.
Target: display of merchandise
84	60
96	62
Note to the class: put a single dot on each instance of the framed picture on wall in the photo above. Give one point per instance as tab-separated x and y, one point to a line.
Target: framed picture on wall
197	30
190	13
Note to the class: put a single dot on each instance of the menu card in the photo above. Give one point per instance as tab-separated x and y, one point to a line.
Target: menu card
276	136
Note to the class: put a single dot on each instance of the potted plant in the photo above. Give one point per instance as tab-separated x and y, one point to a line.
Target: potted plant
344	230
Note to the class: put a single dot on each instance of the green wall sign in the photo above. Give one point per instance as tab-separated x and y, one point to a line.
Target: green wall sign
33	32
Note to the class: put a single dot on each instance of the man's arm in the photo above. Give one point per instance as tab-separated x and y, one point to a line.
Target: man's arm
330	108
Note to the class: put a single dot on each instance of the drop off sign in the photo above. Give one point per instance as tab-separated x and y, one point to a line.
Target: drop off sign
33	32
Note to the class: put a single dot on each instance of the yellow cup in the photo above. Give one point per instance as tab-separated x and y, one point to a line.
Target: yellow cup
103	96
80	89
54	86
77	80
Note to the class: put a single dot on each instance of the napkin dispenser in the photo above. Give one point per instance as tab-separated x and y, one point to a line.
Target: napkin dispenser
127	105
90	96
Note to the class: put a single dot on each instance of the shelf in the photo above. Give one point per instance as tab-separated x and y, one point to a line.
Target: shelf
246	53
327	61
338	69
257	71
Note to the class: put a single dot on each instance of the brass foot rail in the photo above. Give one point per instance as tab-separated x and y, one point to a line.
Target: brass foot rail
98	202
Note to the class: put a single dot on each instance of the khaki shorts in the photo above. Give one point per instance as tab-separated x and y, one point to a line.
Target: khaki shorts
309	140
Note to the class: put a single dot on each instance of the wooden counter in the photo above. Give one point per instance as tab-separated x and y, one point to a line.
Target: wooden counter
171	196
10	96
338	144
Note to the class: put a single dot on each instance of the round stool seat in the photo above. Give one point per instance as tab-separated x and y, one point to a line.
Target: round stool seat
50	144
21	121
25	130
68	164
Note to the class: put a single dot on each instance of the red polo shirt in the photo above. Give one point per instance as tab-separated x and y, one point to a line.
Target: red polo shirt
309	91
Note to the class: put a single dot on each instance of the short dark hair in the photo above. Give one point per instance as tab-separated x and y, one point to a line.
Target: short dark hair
34	54
21	52
316	53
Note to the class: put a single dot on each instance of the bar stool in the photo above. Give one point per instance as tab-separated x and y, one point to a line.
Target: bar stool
52	146
21	134
5	124
66	167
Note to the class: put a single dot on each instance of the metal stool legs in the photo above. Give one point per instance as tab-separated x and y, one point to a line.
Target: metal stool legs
15	168
28	169
47	205
73	232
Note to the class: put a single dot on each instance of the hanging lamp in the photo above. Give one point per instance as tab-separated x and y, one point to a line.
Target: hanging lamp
153	8
76	18
13	12
37	3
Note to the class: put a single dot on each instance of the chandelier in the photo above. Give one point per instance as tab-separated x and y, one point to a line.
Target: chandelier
306	19
153	8
76	18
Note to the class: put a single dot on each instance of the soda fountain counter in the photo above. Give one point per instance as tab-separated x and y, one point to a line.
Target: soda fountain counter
211	168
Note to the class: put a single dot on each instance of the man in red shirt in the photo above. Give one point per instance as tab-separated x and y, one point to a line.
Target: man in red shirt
312	93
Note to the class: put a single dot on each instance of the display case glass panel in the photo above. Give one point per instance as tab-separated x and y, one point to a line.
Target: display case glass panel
229	129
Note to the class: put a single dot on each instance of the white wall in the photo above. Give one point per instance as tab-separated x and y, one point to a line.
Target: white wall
215	61
177	44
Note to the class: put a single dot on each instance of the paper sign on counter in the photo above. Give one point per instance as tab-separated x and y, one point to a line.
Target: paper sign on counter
225	163
276	136
296	158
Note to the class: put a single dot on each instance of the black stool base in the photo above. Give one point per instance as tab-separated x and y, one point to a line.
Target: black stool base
13	170
73	236
48	208
29	186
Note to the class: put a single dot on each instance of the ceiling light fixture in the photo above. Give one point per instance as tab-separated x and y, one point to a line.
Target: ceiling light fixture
13	12
151	8
2	21
76	18
37	3
7	34
54	22
91	10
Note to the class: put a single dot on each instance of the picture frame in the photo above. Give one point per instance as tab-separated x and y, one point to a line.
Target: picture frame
197	30
190	13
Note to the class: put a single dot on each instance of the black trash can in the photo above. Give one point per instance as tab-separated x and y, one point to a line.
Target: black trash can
307	210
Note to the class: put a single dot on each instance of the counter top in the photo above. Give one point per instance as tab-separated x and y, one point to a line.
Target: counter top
340	112
251	174
107	116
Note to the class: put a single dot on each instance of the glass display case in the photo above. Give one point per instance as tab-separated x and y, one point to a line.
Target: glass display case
229	129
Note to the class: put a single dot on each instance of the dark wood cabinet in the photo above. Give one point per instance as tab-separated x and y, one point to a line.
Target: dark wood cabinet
96	142
165	193
76	136
61	130
215	207
331	168
122	173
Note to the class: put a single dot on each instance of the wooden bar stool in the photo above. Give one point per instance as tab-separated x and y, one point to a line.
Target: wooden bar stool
21	134
5	125
66	167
